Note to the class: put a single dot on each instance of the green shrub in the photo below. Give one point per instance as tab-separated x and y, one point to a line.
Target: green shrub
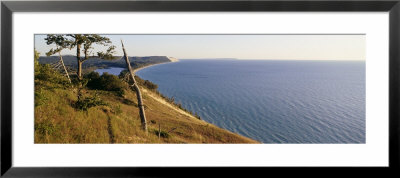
45	127
197	116
93	79
111	82
124	75
150	85
105	82
88	102
163	134
44	72
40	97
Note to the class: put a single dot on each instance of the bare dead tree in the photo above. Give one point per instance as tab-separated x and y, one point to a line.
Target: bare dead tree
136	88
65	69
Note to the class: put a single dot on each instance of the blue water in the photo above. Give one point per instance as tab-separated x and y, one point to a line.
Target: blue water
271	101
111	70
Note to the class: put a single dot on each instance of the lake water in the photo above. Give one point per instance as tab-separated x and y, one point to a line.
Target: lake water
111	70
271	101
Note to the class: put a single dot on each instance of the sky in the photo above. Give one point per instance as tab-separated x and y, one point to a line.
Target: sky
272	47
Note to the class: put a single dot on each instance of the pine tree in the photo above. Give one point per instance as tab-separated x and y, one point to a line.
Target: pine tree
83	43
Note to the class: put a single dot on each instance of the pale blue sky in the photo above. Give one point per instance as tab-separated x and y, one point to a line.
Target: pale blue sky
294	47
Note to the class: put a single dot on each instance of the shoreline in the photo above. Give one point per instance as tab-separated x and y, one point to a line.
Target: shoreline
140	68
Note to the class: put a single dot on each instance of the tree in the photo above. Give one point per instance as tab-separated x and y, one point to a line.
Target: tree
36	57
136	88
83	43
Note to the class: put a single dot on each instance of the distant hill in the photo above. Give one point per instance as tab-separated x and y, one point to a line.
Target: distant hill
136	62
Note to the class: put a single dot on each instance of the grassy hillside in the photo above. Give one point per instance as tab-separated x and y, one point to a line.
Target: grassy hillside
112	116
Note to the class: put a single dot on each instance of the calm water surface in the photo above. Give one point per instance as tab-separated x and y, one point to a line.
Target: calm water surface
271	101
111	70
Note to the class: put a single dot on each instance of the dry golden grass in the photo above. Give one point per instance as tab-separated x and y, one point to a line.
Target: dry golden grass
57	121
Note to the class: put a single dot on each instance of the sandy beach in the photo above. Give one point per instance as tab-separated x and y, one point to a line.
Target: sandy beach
172	59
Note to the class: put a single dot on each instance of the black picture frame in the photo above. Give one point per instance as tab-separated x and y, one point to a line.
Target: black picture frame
8	7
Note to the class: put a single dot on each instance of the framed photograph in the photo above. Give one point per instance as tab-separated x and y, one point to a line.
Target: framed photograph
168	88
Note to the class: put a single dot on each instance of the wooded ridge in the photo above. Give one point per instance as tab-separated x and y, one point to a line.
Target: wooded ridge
136	62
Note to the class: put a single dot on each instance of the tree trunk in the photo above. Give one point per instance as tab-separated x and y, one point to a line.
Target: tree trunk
79	72
136	88
65	69
78	57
